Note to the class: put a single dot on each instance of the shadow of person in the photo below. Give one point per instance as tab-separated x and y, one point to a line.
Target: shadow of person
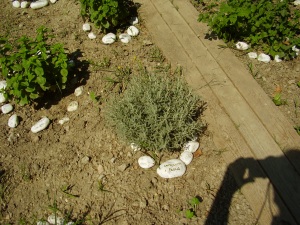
283	176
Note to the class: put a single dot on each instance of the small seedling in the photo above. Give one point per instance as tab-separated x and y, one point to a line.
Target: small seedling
193	206
251	69
66	190
278	100
95	98
101	186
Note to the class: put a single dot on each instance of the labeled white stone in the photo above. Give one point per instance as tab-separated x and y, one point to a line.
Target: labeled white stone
78	91
53	219
91	35
25	4
134	20
63	120
86	27
39	4
252	55
73	106
13	121
146	162
125	38
135	147
264	58
7	108
40	125
186	157
109	38
191	146
16	4
171	169
132	31
242	45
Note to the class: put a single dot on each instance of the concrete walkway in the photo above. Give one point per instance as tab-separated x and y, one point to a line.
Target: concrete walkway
262	148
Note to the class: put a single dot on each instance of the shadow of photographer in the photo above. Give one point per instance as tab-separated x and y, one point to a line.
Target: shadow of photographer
284	180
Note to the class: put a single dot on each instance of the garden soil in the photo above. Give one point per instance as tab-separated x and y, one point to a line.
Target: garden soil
80	169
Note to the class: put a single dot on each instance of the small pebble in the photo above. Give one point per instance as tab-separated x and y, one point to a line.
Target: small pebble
63	120
40	125
85	160
86	27
146	162
73	106
252	55
91	35
7	108
132	31
100	169
78	91
147	42
123	167
277	59
112	160
13	121
2	86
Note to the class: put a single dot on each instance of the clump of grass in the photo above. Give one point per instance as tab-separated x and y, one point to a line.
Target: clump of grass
156	112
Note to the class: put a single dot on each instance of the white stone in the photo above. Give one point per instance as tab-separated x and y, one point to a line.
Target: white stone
277	59
63	120
125	38
146	162
13	121
52	219
191	146
109	38
39	4
186	157
252	55
3	85
73	106
25	4
134	20
86	27
264	58
78	91
135	147
42	223
52	1
16	4
132	31
2	98
40	125
297	2
91	35
171	168
242	45
7	108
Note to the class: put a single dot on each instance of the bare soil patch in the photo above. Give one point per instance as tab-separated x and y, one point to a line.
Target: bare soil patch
81	167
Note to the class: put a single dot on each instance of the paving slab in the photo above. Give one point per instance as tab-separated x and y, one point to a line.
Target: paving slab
242	118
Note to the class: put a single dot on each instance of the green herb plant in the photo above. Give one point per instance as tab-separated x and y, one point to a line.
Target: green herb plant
277	99
32	67
106	14
156	112
269	26
193	204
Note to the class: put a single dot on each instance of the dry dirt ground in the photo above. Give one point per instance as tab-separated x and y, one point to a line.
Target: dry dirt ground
81	168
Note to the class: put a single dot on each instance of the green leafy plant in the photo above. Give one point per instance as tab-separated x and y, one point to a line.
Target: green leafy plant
106	14
271	26
156	112
193	205
277	99
32	67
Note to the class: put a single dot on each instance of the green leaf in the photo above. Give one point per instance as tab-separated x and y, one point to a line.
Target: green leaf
189	214
39	71
64	73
